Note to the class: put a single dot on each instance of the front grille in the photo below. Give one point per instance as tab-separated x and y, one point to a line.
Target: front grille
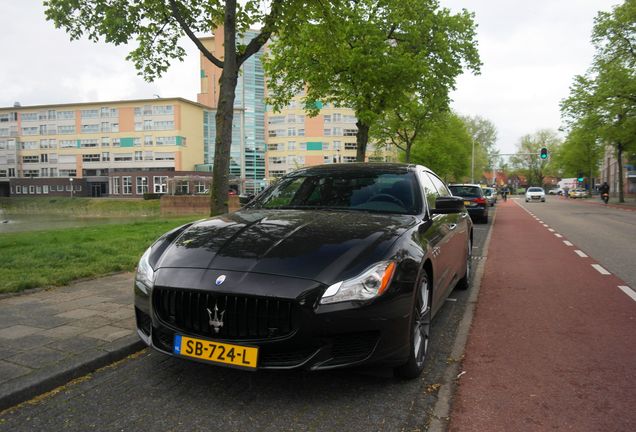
243	317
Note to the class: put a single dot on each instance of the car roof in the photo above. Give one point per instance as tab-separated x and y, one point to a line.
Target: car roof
465	184
357	166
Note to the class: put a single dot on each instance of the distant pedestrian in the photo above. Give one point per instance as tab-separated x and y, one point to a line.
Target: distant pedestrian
604	190
566	192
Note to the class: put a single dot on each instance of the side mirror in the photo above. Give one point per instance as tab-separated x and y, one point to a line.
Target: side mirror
447	205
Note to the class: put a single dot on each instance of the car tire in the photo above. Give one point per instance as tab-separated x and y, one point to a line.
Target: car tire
464	282
420	330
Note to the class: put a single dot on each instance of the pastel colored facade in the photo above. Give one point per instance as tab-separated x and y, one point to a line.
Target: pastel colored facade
295	139
95	142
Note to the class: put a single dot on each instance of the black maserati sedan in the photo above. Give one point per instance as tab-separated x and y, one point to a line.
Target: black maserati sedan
332	266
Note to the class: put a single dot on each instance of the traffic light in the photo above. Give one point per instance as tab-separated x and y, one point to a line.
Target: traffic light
580	178
544	153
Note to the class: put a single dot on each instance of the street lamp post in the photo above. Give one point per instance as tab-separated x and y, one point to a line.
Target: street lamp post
472	165
71	180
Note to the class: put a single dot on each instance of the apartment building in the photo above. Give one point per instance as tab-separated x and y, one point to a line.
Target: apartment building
247	154
117	148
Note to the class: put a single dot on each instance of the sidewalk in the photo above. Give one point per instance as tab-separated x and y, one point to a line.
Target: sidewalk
50	337
553	341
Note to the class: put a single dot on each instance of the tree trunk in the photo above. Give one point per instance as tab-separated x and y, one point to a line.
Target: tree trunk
362	139
619	154
225	115
407	153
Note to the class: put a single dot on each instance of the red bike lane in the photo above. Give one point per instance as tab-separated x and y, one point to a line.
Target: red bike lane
553	342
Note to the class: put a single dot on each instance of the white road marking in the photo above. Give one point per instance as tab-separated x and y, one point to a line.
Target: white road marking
567	243
580	253
600	269
558	235
627	290
550	229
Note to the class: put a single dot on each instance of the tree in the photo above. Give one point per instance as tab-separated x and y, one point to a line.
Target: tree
445	148
369	55
403	125
527	158
158	26
606	95
581	152
484	137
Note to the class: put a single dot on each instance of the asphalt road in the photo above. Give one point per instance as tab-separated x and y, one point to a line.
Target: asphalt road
606	234
151	391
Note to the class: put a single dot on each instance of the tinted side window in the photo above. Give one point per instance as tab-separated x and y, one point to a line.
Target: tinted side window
429	190
439	185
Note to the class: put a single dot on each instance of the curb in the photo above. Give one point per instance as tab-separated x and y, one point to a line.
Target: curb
442	409
37	383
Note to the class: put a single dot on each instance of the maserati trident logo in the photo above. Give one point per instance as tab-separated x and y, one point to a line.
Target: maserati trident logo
220	280
216	321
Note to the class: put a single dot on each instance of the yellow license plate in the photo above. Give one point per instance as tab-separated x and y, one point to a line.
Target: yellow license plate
216	352
467	203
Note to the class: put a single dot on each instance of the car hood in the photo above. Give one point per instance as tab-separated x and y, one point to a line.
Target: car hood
316	245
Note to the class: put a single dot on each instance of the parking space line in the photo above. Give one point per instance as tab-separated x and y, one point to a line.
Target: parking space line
558	235
580	253
627	290
567	243
600	269
550	229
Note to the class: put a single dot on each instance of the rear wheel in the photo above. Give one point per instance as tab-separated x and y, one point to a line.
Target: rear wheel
420	331
464	282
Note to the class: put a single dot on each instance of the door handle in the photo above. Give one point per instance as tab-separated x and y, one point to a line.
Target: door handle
452	226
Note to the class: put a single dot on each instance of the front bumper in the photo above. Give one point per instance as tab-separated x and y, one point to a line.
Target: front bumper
317	337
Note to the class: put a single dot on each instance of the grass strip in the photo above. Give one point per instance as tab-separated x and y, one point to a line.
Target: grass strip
57	257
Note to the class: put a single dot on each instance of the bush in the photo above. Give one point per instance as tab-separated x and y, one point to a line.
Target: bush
152	196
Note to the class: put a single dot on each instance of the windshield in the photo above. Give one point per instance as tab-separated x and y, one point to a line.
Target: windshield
535	189
466	191
358	191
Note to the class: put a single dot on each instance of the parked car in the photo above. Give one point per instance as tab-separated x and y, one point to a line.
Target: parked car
333	266
535	194
474	200
491	195
557	191
578	193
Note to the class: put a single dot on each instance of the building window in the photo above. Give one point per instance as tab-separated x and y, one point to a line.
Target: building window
30	130
127	185
147	125
183	187
31	189
142	185
45	189
89	114
105	142
66	130
199	187
138	156
350	146
86	143
162	110
350	132
29	116
90	128
160	184
148	140
122	157
105	127
291	145
94	157
66	115
105	156
116	185
68	144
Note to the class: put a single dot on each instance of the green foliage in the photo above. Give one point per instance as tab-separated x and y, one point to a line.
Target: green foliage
603	101
527	160
484	135
445	148
370	55
43	258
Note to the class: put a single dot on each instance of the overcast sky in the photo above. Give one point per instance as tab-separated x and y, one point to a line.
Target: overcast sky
530	49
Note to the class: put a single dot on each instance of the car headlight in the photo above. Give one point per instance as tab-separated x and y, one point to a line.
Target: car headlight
371	283
145	272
